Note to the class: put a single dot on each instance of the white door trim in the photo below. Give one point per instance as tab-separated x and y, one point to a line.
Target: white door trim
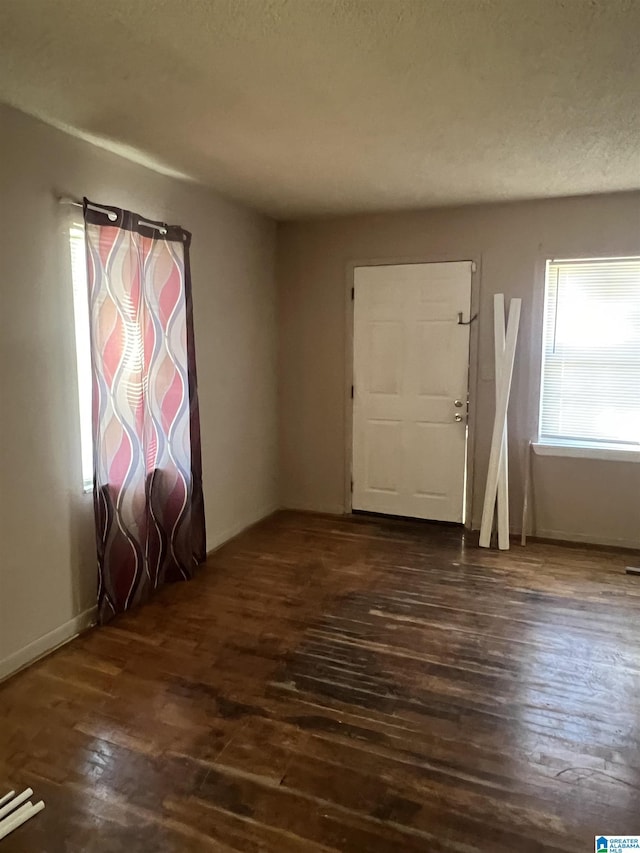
476	260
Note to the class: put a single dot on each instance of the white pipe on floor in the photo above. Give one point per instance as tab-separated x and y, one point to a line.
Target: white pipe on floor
23	809
17	801
17	820
6	798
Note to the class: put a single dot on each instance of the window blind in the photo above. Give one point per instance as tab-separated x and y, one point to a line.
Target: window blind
590	389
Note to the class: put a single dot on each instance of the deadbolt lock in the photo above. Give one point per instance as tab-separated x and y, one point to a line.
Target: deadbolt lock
457	404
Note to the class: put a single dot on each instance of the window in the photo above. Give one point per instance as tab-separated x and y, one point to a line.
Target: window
590	389
83	348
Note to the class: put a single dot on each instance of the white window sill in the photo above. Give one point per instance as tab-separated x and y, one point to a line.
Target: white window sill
613	454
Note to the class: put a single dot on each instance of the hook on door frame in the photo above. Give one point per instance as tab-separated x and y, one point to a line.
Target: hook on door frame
461	322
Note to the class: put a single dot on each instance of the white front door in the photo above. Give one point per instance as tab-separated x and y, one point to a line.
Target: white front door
410	366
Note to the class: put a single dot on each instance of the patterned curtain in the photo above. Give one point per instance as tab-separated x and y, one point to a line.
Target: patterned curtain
146	428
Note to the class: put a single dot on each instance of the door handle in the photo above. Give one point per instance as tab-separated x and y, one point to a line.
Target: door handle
457	418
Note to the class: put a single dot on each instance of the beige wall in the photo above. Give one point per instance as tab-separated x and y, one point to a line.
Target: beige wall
47	571
577	499
47	562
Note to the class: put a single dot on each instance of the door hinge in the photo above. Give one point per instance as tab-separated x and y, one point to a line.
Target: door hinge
353	293
352	485
352	392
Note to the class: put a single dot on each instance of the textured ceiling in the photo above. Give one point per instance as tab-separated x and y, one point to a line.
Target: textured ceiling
307	107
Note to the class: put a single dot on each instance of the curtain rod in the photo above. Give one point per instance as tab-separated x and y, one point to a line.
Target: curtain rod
111	215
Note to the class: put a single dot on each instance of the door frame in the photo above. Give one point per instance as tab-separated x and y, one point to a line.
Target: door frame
474	339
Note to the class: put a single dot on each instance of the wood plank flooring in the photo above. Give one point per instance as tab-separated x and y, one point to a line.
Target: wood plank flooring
343	684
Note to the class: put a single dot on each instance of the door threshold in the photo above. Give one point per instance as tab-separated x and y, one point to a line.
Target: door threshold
383	516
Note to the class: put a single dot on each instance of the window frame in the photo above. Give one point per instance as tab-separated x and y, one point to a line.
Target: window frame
567	447
82	347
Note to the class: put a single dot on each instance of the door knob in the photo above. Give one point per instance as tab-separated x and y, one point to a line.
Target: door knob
457	404
457	418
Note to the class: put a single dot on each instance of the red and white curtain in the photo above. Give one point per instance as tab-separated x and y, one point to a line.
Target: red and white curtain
146	428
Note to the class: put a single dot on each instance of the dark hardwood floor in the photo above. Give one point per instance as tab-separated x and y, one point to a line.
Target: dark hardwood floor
343	684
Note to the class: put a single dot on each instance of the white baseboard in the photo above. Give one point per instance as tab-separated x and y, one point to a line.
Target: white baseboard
586	538
322	509
579	538
48	642
221	536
